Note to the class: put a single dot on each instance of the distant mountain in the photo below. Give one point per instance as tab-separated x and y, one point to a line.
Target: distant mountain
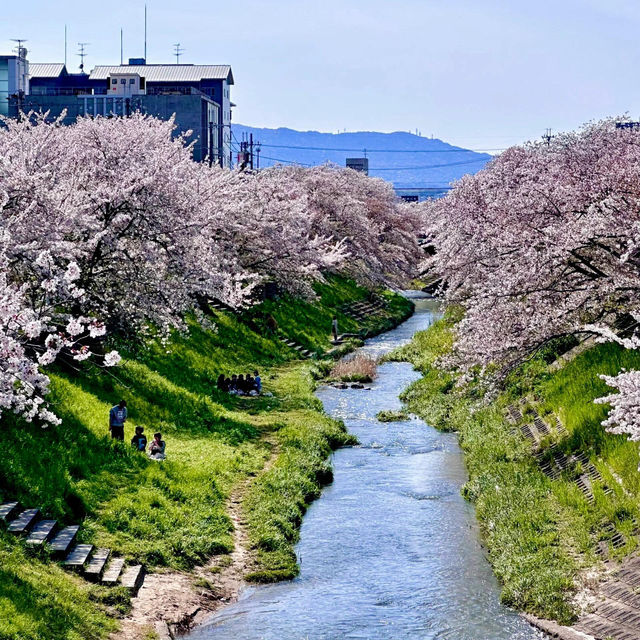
402	158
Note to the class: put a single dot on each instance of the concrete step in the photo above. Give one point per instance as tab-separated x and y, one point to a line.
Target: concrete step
8	511
622	614
42	532
78	556
113	570
622	593
96	565
133	577
65	538
541	426
24	522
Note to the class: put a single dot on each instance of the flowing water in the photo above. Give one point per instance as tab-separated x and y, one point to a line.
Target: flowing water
391	550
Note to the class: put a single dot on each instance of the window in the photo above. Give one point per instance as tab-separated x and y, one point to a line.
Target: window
114	81
123	81
132	80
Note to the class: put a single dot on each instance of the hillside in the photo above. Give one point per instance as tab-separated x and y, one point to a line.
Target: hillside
175	515
402	158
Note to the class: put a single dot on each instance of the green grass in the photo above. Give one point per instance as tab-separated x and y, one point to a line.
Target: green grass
539	533
173	513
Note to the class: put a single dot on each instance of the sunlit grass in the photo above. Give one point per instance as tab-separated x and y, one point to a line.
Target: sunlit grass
173	513
539	533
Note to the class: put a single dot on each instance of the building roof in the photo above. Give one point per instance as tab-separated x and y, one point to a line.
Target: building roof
168	72
45	70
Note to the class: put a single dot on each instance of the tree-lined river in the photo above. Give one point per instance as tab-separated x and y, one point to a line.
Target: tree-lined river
391	550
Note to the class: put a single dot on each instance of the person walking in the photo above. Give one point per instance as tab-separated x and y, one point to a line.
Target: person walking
117	418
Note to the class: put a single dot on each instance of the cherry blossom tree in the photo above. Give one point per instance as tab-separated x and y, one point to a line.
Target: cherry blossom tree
108	224
544	243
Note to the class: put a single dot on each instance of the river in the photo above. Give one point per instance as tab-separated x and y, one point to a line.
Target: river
390	550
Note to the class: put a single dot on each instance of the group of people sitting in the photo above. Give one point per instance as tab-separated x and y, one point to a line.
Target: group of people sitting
156	448
240	385
118	416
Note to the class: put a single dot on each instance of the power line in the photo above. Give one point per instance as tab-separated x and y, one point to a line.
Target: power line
428	166
286	146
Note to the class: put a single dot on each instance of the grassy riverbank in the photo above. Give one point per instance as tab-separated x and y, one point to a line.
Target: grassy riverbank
174	514
541	534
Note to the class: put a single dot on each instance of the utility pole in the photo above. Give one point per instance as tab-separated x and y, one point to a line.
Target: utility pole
22	88
178	51
251	151
211	144
258	149
145	33
82	54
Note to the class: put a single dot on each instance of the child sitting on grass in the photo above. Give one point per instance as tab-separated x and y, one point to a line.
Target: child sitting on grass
139	440
157	447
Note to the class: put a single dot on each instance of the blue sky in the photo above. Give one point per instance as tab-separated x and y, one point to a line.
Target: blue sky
478	73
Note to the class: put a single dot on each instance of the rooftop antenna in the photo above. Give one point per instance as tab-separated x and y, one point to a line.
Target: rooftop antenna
19	48
145	32
178	51
83	54
547	136
121	47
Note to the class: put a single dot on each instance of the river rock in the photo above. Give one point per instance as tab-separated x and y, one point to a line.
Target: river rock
357	385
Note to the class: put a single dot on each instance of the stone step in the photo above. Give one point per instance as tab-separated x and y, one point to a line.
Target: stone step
8	511
23	523
96	565
112	573
133	577
65	538
78	556
42	532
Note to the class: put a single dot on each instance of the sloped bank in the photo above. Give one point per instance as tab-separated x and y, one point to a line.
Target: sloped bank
529	453
174	516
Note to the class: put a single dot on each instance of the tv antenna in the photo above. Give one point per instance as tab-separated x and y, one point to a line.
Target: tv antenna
83	54
19	48
547	137
177	52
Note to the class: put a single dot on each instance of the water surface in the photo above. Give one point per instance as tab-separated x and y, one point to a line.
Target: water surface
390	550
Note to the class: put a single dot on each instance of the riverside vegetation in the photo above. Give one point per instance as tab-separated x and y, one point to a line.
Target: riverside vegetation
541	534
116	246
174	514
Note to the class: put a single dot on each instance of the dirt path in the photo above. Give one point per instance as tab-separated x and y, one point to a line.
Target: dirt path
172	602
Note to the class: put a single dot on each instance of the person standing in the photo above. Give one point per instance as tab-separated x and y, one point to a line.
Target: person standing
334	328
117	418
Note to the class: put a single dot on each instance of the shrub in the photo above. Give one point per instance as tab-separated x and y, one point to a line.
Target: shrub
360	368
